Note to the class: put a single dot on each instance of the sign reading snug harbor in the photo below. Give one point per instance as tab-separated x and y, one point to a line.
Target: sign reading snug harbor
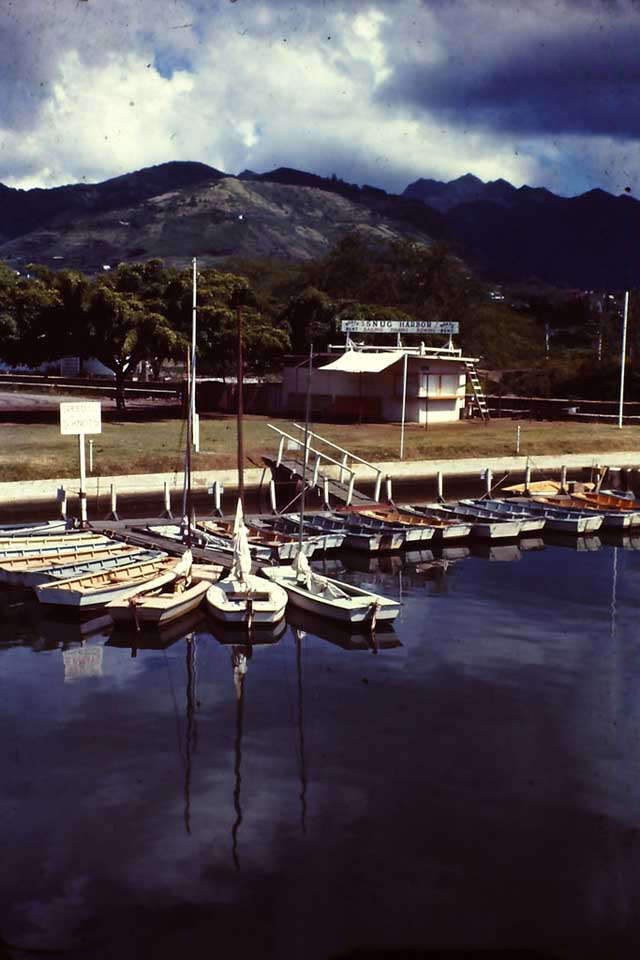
400	326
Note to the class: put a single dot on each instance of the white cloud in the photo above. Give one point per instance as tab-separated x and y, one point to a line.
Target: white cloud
261	85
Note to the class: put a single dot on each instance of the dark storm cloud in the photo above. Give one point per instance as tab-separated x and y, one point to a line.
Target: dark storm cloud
545	69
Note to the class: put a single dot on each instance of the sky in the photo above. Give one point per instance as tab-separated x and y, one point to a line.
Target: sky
543	92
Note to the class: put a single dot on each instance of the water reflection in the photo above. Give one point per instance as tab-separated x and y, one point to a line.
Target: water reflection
355	637
191	727
157	638
299	636
484	765
240	655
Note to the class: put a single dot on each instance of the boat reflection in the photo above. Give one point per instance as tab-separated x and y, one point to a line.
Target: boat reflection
228	635
358	637
579	544
624	541
159	638
56	631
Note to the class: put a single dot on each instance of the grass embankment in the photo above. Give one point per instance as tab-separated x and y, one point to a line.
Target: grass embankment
38	451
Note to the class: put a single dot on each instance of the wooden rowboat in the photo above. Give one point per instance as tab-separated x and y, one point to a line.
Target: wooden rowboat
25	572
160	606
97	589
334	599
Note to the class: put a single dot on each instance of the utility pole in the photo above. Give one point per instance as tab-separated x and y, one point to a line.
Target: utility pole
623	355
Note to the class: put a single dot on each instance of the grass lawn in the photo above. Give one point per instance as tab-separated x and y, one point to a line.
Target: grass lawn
37	451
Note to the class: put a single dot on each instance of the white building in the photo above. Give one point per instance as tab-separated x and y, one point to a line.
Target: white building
376	383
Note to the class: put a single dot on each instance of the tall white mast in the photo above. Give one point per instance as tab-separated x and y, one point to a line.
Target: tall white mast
623	353
194	416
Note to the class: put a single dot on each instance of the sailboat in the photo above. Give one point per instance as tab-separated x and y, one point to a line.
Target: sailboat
319	594
243	598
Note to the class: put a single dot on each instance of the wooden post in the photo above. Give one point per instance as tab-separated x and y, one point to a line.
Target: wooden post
82	492
488	480
563	479
167	501
114	505
272	496
376	495
350	490
342	468
527	478
240	409
440	486
62	500
389	490
218	490
325	493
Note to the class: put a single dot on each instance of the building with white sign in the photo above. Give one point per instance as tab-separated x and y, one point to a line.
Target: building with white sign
358	381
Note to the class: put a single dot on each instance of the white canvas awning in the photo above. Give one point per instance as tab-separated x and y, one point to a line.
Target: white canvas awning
355	361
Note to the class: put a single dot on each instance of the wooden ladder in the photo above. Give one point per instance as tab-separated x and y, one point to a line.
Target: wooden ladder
478	394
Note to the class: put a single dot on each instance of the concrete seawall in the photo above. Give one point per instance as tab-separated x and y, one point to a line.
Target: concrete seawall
38	491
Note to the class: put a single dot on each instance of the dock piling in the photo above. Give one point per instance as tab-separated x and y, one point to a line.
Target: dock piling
350	490
325	493
62	500
527	479
217	489
376	494
272	496
167	501
488	481
113	515
563	479
389	489
440	486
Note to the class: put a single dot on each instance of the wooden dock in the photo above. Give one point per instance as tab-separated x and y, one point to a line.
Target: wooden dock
288	475
135	532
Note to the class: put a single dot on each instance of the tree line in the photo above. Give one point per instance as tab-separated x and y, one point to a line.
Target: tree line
141	311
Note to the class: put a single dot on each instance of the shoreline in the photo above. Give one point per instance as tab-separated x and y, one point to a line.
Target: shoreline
21	493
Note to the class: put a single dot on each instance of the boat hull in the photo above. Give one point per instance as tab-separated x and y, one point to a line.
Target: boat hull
156	611
96	590
361	606
225	601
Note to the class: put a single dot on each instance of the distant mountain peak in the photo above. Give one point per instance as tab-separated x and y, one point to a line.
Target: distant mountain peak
467	178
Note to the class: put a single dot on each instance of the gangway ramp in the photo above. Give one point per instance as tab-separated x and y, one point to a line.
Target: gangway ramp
333	478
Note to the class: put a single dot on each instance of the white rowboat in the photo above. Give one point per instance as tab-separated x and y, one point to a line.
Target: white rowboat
334	599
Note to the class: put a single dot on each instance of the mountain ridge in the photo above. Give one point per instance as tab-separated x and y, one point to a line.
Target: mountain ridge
182	208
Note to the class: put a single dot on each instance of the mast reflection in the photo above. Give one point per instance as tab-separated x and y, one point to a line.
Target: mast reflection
240	655
299	635
191	730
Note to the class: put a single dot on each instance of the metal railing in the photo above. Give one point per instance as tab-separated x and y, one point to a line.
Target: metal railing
319	455
346	455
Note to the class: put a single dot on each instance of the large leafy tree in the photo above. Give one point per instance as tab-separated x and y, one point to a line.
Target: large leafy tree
122	331
220	298
27	308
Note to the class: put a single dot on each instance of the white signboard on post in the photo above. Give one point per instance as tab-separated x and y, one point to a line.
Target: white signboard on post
79	419
401	326
82	417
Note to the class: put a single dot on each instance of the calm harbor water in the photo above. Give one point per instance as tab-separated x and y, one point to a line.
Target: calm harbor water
471	779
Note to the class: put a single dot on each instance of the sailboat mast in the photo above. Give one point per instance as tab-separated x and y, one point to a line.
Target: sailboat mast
188	455
240	379
306	448
195	432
